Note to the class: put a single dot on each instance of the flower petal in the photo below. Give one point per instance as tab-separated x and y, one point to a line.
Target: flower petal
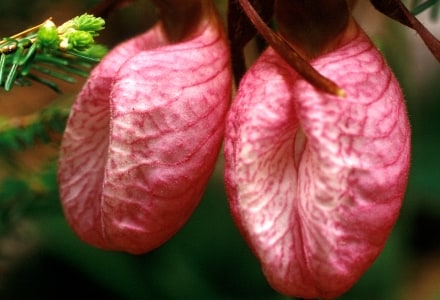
139	147
315	182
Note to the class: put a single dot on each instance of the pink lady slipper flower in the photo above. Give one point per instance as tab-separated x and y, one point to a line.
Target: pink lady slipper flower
315	181
145	131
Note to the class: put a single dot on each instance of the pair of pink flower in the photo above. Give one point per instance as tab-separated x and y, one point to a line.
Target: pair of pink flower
315	182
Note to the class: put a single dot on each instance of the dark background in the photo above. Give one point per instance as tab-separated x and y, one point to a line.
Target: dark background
40	258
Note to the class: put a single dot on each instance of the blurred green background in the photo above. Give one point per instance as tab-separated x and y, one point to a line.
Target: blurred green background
40	258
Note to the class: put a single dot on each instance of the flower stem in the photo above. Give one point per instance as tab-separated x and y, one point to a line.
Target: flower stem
396	10
290	55
312	28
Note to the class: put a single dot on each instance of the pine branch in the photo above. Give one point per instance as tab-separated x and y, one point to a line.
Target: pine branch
433	5
59	52
20	133
24	192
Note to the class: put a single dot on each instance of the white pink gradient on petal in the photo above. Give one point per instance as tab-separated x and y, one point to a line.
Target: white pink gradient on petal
143	138
316	182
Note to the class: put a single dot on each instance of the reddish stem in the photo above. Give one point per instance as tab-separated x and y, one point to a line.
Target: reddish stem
396	10
290	55
243	31
312	27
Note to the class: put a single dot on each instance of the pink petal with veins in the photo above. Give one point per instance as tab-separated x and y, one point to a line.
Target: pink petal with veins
316	182
143	137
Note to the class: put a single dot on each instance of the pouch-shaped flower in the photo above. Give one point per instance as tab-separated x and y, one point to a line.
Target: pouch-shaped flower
315	182
143	137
